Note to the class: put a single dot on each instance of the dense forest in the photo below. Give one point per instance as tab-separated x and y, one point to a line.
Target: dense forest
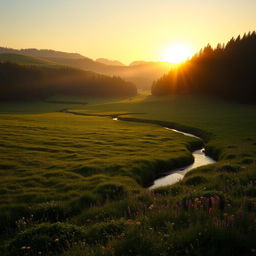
228	71
29	82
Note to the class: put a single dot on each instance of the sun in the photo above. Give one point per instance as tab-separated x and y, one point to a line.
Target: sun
177	53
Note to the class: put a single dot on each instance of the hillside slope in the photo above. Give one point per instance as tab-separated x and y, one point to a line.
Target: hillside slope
43	53
24	60
141	73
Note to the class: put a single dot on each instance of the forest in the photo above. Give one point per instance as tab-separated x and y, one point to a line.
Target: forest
31	82
227	71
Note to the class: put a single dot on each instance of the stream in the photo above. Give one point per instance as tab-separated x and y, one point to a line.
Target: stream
173	176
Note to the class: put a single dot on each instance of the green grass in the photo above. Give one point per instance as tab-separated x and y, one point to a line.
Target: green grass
62	172
233	125
39	107
58	157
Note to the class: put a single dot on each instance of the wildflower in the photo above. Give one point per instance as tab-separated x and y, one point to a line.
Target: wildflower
129	210
225	214
138	223
207	202
229	221
128	222
28	247
151	207
212	201
217	201
56	240
23	247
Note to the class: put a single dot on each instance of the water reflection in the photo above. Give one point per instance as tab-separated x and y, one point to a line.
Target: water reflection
174	176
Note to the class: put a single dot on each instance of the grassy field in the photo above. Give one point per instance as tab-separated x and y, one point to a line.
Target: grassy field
232	125
73	185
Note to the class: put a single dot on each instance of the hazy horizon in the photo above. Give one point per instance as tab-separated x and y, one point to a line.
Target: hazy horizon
100	60
120	30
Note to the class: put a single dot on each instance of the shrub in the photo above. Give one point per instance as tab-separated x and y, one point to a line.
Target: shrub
210	241
104	231
248	161
9	215
49	212
168	190
86	200
196	180
138	242
127	208
229	168
45	239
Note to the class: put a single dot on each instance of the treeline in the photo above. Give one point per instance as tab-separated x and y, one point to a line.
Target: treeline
23	82
228	71
43	53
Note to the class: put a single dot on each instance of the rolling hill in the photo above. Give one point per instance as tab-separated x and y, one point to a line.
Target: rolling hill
110	62
140	73
24	60
43	53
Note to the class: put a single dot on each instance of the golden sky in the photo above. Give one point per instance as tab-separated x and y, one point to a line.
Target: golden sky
124	30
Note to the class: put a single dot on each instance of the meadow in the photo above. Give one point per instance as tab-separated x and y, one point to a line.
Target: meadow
73	185
228	128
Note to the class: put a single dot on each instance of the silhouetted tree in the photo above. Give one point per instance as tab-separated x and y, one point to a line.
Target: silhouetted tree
228	71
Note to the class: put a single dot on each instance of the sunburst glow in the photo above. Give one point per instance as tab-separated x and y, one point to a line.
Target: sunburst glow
177	53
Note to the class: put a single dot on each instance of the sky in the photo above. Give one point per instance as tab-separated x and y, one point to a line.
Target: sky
124	30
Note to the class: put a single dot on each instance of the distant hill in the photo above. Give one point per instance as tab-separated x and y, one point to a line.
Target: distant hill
34	82
138	62
227	71
143	74
24	60
110	62
140	73
42	53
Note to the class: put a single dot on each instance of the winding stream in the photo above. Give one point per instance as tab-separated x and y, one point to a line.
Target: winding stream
173	176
